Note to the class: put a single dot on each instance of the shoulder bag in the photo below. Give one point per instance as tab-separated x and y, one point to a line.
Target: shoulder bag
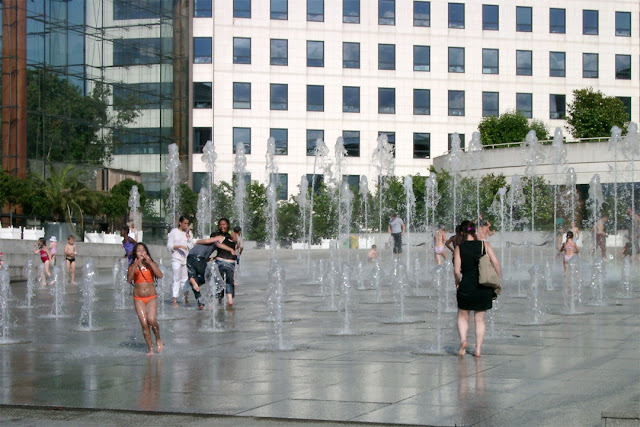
487	273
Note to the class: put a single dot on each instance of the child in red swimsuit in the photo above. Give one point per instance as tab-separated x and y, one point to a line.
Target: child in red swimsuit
45	256
142	272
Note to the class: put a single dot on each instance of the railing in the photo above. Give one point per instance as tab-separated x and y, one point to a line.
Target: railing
543	142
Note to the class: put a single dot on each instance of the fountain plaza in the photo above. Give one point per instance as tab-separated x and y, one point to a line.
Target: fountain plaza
317	341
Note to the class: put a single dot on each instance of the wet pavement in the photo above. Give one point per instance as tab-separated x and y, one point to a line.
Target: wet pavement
383	368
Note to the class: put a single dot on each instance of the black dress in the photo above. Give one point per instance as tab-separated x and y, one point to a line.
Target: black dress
471	295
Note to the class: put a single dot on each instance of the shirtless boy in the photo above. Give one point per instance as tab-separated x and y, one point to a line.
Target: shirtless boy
70	252
438	244
570	249
601	236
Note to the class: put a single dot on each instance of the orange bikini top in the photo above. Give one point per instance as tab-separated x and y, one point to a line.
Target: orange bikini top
143	275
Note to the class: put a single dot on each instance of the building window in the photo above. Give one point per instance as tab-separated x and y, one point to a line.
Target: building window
524	104
557	65
490	104
456	103
242	96
353	181
557	21
241	8
350	55
202	8
590	22
315	54
282	187
386	100
490	17
315	181
386	12
490	61
590	65
241	50
462	141
557	106
421	102
279	9
351	11
421	58
456	60
279	96
351	139
202	95
313	135
626	101
315	10
623	24
456	15
202	50
281	136
145	51
350	99
279	52
524	63
391	140
315	98
200	138
421	14
523	19
242	136
623	67
421	145
386	57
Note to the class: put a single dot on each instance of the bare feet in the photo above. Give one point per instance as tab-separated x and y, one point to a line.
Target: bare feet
175	302
150	353
186	298
477	352
195	287
463	349
74	283
159	346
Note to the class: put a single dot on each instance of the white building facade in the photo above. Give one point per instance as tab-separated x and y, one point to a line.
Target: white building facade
415	70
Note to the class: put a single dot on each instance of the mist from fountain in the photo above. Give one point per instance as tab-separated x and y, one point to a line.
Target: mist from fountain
383	161
559	160
376	281
631	150
240	188
172	168
345	213
572	290
625	289
455	166
410	204
346	300
475	147
203	213
271	170
364	199
161	290
56	289
276	294
615	145
30	273
214	283
88	296
322	164
5	291
594	207
533	156
516	199
134	212
598	278
120	285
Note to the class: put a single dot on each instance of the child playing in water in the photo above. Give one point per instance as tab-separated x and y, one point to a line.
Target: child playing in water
570	249
142	272
45	256
438	244
53	249
372	255
70	252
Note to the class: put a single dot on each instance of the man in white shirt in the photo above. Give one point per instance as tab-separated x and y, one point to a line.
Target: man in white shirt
178	244
396	229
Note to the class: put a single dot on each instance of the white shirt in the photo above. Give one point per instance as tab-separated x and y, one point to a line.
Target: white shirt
178	237
396	225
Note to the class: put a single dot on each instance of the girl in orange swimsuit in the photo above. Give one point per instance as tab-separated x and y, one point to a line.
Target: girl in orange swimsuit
142	271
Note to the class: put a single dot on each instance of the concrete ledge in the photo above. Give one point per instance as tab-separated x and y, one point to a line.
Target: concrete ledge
624	414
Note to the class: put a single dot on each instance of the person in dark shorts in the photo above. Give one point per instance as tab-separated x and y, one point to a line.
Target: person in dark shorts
226	260
396	229
197	262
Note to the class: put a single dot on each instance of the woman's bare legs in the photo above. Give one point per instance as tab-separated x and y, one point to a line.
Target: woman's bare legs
463	327
478	317
152	310
47	274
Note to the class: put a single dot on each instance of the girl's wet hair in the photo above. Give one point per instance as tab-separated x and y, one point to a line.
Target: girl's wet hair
135	250
42	241
467	228
569	234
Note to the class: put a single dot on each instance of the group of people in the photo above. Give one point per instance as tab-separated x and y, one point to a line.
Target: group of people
189	260
48	257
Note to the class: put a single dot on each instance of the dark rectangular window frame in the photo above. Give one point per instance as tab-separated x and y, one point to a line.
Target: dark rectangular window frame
279	10
522	96
454	67
350	108
524	71
623	72
421	102
590	73
554	70
282	144
391	140
454	110
312	136
240	101
385	63
421	13
383	93
201	135
421	145
202	8
347	60
202	95
202	50
557	114
462	141
315	98
240	10
277	100
560	17
315	15
490	68
240	57
524	19
623	24
237	139
273	48
486	112
456	15
351	11
385	6
421	62
351	140
626	101
590	28
488	21
315	61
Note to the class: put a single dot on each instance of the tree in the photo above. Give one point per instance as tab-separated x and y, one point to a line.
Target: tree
592	114
188	201
63	125
11	189
254	209
289	221
511	126
116	203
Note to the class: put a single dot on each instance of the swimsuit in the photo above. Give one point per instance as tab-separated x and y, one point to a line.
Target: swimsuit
43	255
567	258
438	249
71	260
145	299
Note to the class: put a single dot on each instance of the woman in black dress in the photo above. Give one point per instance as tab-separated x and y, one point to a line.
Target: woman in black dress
470	294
